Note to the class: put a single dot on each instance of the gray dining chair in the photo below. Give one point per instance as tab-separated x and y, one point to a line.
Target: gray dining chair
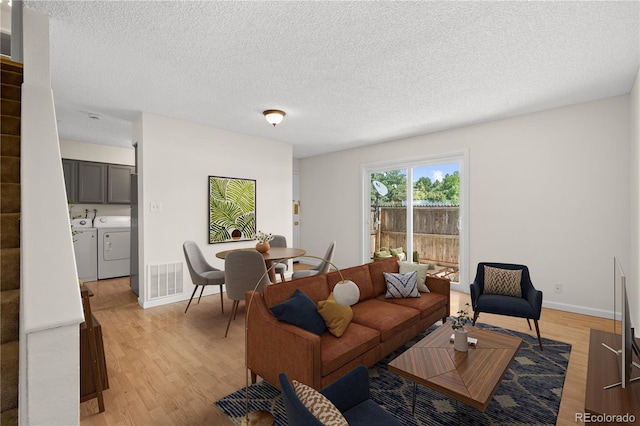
281	267
322	268
202	274
243	271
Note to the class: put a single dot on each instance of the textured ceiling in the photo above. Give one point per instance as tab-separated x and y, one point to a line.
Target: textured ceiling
347	74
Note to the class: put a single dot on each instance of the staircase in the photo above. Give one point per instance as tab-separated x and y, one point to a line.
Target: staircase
9	238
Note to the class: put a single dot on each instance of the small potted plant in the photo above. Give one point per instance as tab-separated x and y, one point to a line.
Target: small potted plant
263	241
457	324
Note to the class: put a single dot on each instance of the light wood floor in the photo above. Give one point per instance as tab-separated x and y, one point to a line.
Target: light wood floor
166	367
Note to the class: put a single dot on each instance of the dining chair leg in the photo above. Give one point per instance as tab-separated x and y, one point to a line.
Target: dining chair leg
282	276
235	312
529	322
201	291
192	294
232	315
221	300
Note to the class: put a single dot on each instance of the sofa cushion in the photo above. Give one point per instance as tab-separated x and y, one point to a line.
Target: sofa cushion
319	405
337	352
357	274
422	273
387	318
300	310
315	287
427	303
401	285
505	282
375	272
336	317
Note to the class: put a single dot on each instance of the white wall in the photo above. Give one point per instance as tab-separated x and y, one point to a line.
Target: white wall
634	196
75	150
175	160
549	190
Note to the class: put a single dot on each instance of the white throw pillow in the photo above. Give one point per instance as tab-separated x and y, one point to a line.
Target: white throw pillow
422	274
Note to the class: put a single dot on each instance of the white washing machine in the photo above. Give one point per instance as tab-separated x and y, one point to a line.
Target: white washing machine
85	247
114	246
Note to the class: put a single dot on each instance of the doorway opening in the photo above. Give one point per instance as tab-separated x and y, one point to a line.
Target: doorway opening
416	211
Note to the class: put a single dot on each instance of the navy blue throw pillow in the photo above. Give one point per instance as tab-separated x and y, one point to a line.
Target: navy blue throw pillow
300	310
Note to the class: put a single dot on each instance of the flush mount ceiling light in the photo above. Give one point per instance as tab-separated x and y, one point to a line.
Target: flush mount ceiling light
274	116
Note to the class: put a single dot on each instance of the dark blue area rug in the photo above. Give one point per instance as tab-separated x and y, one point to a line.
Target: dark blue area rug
529	393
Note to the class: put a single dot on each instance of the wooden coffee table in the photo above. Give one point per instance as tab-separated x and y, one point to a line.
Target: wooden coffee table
470	377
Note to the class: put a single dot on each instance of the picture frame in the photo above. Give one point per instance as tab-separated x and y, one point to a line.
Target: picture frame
232	209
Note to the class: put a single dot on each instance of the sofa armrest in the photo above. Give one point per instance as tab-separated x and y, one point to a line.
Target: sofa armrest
441	286
275	347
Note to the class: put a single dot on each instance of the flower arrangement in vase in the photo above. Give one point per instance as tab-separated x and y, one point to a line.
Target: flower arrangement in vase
263	241
457	324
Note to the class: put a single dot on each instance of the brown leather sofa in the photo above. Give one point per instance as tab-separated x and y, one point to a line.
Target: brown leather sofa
379	326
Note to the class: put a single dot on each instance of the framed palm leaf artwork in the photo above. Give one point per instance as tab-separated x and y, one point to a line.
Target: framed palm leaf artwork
232	209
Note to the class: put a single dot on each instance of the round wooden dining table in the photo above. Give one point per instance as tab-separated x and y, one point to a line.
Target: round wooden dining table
274	255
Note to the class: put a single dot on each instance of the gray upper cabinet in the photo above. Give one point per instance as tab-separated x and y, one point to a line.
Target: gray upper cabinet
92	182
70	170
89	182
119	184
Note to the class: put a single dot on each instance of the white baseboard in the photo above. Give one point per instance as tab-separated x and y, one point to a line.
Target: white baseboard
602	313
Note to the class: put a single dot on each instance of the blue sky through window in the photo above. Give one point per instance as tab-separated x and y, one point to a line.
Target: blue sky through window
435	171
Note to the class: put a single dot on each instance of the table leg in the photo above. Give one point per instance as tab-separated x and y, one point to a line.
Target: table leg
272	271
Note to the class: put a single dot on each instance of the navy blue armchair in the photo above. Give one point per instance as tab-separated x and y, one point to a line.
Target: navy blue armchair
350	395
528	306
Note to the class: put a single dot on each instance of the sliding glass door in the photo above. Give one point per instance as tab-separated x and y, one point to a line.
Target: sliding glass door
415	211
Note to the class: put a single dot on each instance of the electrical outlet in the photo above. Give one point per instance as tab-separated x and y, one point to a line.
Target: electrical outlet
558	289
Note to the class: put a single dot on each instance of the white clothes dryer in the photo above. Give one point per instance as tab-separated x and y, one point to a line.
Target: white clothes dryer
114	246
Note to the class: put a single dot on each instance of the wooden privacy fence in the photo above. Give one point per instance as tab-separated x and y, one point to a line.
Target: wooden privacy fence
435	232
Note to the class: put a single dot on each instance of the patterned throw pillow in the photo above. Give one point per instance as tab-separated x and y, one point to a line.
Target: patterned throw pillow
319	405
502	281
401	285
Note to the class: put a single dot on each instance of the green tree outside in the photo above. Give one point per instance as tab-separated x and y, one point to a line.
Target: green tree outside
445	192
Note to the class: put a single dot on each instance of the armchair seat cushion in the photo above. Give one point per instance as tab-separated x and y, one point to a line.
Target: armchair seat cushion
506	305
369	413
